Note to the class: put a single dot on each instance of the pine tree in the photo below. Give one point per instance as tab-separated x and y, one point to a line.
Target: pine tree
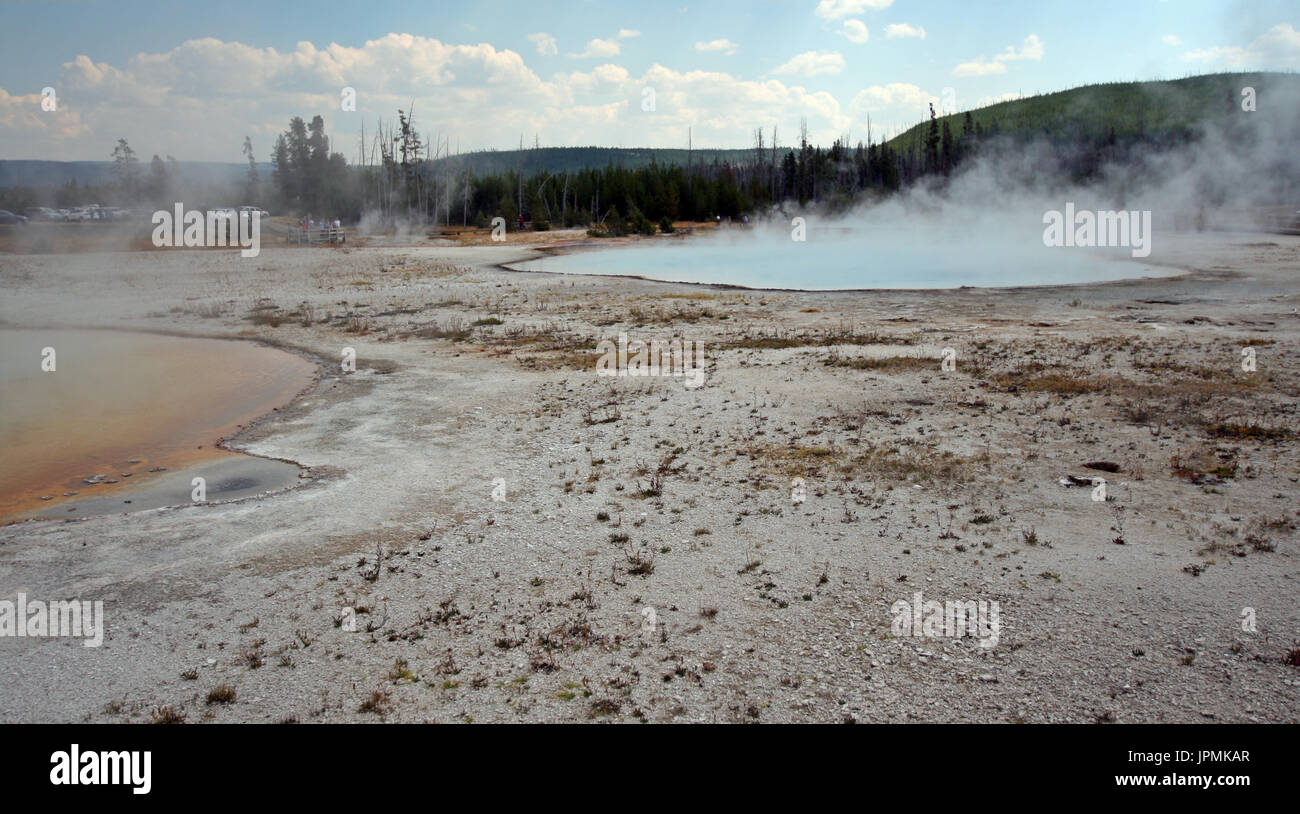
932	143
125	161
250	193
157	184
948	158
281	171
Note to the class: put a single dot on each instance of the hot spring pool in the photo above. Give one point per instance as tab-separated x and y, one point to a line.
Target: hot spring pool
119	421
842	259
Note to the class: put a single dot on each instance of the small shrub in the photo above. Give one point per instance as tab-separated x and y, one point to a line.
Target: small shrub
221	694
167	715
376	704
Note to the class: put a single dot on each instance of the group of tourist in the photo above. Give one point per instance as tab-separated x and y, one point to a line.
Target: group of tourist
311	224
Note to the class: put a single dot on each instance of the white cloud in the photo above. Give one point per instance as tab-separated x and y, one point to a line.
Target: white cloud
545	43
477	95
899	30
599	48
812	63
893	95
838	9
979	67
1031	49
727	47
1172	39
602	48
891	108
1275	49
855	31
23	115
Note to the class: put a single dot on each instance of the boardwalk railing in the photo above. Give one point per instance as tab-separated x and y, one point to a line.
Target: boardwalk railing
318	235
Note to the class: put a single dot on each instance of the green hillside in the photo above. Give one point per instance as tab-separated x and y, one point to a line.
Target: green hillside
1171	110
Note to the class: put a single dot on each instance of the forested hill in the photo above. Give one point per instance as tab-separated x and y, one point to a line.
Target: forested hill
21	173
541	160
1169	111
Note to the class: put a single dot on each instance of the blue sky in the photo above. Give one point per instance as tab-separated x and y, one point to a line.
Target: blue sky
192	79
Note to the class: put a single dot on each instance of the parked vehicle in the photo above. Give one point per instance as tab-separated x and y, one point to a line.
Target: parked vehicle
8	217
42	213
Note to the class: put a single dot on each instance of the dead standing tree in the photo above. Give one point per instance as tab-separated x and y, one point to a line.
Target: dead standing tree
410	149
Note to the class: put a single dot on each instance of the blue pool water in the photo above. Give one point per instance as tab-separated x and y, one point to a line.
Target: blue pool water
850	259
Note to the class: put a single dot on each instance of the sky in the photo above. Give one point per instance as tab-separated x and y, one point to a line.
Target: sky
191	80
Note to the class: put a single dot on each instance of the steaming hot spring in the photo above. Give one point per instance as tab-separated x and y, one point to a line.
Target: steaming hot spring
898	254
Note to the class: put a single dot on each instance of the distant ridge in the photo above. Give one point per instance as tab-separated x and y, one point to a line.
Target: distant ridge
36	174
572	159
1165	109
24	173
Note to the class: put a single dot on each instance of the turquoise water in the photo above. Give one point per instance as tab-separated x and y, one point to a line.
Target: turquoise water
850	259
